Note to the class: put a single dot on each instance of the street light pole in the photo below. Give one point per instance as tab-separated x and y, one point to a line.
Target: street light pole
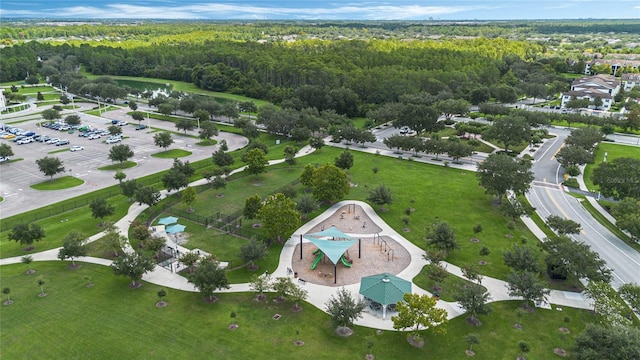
604	161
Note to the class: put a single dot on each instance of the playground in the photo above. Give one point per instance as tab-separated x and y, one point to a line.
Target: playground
368	255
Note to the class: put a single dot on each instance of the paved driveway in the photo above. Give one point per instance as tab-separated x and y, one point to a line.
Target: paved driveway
16	177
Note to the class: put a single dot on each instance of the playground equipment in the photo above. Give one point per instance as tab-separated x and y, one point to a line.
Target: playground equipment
317	260
345	262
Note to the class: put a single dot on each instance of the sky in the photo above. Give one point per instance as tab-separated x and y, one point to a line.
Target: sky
321	10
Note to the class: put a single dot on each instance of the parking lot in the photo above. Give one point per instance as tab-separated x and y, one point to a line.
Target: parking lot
17	176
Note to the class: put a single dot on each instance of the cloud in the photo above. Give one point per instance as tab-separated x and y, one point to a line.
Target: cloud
164	10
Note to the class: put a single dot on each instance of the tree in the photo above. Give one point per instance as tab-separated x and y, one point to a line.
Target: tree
7	291
524	349
513	131
114	130
185	125
209	277
208	130
380	195
260	284
202	115
627	214
500	173
188	197
133	105
297	295
306	178
73	247
51	114
442	237
450	107
566	257
120	153
50	166
41	285
458	149
120	175
607	304
563	226
256	161
252	205
163	140
343	308
306	205
27	260
129	188
473	299
619	178
147	195
630	292
522	258
345	160
604	342
472	339
101	209
189	259
574	155
5	150
436	273
330	183
419	311
290	155
279	216
586	138
316	142
221	158
253	251
132	265
526	285
72	120
26	234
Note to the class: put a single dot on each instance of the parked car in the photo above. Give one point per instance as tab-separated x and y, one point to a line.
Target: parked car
3	159
53	141
62	142
8	136
122	123
113	140
404	130
94	136
76	148
141	127
25	140
115	122
44	138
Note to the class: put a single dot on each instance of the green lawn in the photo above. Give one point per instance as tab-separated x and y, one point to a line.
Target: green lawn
613	151
60	183
188	328
57	223
118	166
448	286
58	150
172	154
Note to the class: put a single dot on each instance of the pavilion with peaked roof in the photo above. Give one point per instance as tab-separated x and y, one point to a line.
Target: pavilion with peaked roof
333	248
385	289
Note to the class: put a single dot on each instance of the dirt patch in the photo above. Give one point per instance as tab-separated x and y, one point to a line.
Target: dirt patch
7	302
564	330
415	341
211	299
482	262
74	267
135	285
233	326
560	352
90	285
219	195
473	321
474	240
470	352
299	342
344	331
30	272
369	357
161	304
256	226
296	308
42	295
517	326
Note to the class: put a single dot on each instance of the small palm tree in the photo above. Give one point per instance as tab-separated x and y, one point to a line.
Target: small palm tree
27	260
524	348
161	293
7	291
41	284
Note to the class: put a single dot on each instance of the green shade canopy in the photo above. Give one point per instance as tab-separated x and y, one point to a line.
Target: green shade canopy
168	220
333	249
384	288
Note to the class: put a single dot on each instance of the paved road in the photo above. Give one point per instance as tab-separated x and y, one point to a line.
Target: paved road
548	197
18	176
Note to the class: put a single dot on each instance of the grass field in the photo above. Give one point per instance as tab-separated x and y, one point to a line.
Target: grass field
64	182
172	154
613	151
119	166
74	321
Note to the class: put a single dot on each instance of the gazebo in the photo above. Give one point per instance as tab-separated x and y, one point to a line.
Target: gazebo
334	249
384	289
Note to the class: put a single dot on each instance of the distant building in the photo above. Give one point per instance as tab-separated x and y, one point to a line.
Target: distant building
616	64
591	87
629	81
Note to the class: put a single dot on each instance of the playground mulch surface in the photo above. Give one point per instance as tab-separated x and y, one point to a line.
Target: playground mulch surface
372	257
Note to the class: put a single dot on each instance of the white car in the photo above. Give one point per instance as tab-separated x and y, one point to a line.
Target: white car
76	148
94	136
25	141
53	141
113	140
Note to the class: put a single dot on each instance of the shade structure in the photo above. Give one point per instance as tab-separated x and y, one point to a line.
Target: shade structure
384	288
332	249
176	228
331	232
168	220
